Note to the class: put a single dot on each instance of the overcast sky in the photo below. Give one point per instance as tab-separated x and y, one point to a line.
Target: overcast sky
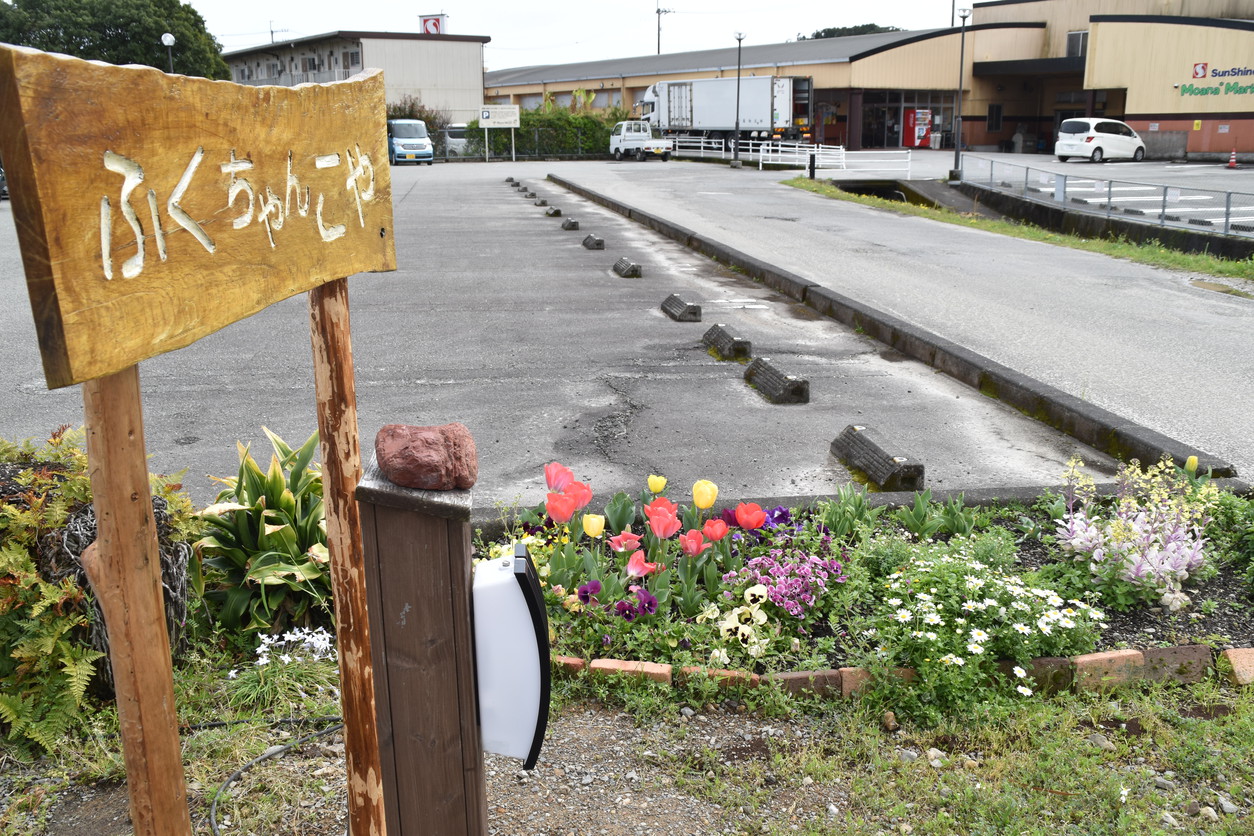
526	32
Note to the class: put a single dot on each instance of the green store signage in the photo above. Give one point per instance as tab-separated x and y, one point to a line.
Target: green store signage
1229	89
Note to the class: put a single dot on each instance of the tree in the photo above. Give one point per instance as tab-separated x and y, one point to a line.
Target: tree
116	31
846	31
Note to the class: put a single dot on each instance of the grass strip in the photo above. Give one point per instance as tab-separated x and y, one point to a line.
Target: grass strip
1153	252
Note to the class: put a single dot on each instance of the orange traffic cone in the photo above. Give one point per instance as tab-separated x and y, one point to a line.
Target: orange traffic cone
1232	160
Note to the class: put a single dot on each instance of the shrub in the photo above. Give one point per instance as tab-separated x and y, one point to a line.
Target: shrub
263	564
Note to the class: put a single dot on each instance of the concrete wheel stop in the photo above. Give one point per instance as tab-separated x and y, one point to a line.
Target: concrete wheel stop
679	310
774	385
861	448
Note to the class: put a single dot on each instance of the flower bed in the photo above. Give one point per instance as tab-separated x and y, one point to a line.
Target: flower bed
938	590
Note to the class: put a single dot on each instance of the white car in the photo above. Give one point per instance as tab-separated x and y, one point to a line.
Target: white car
1097	140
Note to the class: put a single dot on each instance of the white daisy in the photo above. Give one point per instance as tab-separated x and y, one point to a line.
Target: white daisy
1020	672
1023	689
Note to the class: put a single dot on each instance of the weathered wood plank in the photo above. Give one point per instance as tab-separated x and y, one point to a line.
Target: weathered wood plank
124	567
341	471
153	209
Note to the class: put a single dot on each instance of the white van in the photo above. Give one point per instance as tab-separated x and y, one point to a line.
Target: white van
455	141
1097	140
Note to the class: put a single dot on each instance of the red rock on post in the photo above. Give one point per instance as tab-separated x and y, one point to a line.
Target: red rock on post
427	458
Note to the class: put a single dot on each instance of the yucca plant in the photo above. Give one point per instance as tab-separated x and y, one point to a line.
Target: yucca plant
265	559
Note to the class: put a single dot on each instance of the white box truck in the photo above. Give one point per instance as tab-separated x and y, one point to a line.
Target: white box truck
771	107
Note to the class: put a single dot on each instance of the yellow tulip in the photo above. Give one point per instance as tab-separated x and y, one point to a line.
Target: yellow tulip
657	484
593	524
704	492
1190	464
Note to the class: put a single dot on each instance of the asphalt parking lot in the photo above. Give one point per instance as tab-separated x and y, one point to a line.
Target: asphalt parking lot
500	319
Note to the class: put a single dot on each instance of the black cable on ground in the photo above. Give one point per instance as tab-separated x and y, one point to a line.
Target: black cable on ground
213	806
281	721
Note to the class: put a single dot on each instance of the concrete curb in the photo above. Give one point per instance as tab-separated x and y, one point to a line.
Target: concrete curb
1099	428
1089	672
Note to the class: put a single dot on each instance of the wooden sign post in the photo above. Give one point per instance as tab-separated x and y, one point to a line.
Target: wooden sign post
153	210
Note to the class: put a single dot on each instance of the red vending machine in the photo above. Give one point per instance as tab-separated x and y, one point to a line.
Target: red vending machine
918	128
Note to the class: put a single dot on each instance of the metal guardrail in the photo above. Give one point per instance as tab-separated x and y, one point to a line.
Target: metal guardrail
1210	210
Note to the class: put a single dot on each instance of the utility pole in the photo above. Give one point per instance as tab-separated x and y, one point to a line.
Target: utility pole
660	12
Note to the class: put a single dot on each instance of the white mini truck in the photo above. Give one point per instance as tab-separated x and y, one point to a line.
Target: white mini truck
638	139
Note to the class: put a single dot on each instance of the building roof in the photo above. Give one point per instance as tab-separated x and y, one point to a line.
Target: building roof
809	51
354	36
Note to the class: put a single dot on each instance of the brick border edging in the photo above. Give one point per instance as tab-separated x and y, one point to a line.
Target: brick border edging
1087	672
1099	428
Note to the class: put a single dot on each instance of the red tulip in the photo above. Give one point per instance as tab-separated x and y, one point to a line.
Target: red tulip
749	515
625	542
664	523
714	530
560	507
693	543
638	568
557	476
580	492
661	503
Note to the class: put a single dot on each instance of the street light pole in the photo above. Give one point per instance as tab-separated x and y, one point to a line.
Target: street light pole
740	36
962	58
168	40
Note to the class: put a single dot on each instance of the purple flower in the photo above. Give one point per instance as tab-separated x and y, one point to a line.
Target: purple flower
778	517
589	591
648	604
605	640
626	610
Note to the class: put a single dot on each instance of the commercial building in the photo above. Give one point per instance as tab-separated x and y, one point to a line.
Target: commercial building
444	72
1179	71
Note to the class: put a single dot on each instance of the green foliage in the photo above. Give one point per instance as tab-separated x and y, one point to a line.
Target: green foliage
957	519
546	132
950	614
46	659
47	663
847	31
116	31
263	566
1231	532
921	519
849	517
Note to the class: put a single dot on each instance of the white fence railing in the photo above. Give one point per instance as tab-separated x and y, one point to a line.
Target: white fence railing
1209	210
826	157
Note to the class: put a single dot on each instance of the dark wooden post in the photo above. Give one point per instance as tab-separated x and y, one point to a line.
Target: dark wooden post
418	582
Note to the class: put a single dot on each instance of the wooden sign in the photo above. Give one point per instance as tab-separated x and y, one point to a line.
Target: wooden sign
153	210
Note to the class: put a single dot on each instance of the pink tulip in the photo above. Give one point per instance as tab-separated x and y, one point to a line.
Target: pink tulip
625	542
560	507
638	568
580	492
661	503
664	523
693	543
558	476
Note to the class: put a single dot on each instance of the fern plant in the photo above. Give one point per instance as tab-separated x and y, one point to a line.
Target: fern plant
48	665
263	565
52	642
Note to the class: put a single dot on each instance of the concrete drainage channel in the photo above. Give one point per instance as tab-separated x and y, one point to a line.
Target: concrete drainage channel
1096	427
